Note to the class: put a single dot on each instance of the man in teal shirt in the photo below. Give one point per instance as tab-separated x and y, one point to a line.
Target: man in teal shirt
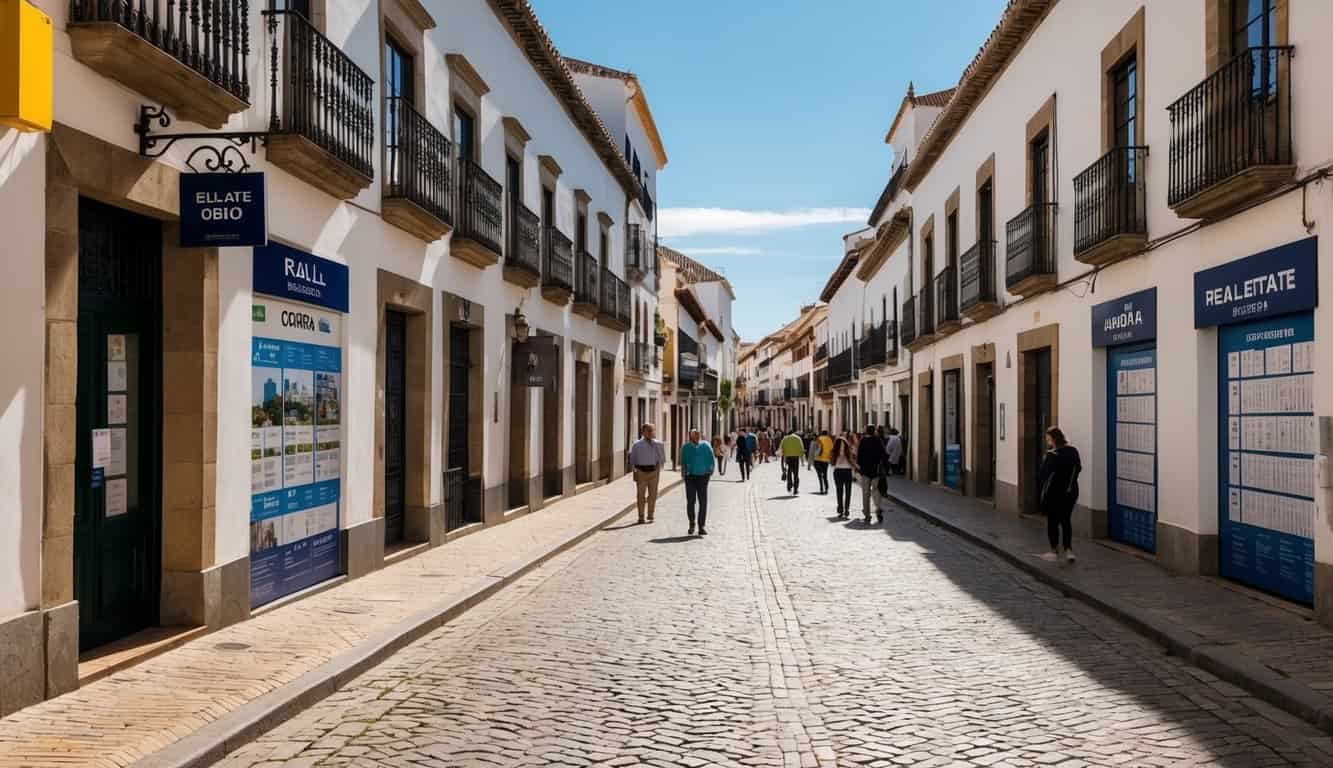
696	464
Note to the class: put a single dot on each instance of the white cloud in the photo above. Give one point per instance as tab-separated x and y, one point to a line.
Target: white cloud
722	250
682	222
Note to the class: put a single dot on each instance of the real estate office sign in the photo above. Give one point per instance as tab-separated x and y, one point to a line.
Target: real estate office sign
223	209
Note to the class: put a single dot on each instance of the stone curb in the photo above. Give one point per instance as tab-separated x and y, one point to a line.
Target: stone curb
1226	663
214	741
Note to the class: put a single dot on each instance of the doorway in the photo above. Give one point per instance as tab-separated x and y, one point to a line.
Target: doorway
606	432
1038	416
552	403
519	404
983	447
395	426
117	516
462	495
582	421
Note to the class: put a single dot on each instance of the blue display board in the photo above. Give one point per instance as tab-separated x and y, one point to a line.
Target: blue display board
1267	438
296	426
1131	406
953	466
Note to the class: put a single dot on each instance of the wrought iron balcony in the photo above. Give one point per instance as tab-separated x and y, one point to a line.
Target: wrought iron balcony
1030	250
322	119
1110	211
874	349
480	228
647	201
1231	134
907	331
190	55
638	255
417	190
925	302
821	352
613	311
639	357
841	368
821	381
761	398
803	388
708	385
891	338
557	266
523	257
946	300
977	298
586	273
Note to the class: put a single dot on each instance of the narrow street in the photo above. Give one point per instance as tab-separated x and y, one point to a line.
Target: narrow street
784	638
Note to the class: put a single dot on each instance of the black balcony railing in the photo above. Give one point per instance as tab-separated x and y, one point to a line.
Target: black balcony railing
585	279
976	275
647	201
615	297
709	385
821	352
840	368
907	331
558	264
821	381
1238	118
1030	244
212	38
874	347
1109	198
480	209
640	355
317	92
525	241
638	259
925	309
417	159
803	387
761	398
462	499
891	339
946	294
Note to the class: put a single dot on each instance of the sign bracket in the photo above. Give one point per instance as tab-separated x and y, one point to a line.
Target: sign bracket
226	158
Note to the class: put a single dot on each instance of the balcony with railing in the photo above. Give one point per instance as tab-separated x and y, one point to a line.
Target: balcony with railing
821	352
1231	134
480	228
907	330
557	267
803	388
586	272
977	297
874	347
1030	250
761	398
841	369
646	200
709	385
1110	210
192	56
417	179
923	315
322	118
946	301
891	339
523	256
613	310
822	387
639	358
638	254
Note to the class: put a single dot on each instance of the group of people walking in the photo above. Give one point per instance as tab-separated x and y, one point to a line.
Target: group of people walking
866	460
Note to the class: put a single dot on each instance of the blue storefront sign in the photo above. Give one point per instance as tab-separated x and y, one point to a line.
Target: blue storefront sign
1126	320
223	209
953	466
285	272
1275	282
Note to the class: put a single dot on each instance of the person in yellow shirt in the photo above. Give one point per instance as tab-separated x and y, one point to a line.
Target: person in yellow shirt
822	459
792	449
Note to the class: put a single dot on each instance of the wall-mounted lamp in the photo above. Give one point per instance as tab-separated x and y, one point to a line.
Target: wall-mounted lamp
521	327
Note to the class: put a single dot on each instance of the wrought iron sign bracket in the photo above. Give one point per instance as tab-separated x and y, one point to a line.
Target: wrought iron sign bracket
224	155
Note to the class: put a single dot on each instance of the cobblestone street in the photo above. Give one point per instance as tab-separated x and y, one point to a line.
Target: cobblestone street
784	638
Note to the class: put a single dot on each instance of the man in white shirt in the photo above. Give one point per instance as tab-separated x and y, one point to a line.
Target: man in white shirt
647	456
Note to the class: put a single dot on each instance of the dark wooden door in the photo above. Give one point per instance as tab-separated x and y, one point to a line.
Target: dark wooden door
117	518
985	437
459	502
1037	418
395	425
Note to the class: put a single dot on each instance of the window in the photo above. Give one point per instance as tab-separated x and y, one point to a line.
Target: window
928	262
986	213
465	132
1252	24
548	207
1124	112
397	99
951	232
581	232
603	249
514	188
1040	158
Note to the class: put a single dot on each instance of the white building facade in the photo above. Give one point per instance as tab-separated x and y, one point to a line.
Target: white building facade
433	340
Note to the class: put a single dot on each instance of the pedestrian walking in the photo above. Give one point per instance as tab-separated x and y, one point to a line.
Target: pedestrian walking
823	455
843	461
696	465
871	462
764	446
647	456
1058	481
894	446
719	455
792	448
744	453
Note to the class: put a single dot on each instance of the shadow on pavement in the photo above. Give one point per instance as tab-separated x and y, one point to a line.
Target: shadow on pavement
673	540
623	526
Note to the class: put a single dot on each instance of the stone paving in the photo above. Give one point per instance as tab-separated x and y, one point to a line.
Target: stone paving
784	638
133	713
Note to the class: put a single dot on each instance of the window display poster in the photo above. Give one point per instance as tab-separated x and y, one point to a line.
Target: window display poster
1132	445
295	447
1267	465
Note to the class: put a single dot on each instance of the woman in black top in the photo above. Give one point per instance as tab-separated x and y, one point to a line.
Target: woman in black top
1058	484
843	460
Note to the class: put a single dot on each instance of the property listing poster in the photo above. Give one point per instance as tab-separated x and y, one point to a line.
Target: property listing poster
295	446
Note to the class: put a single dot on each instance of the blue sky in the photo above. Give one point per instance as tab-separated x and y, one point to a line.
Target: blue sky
773	113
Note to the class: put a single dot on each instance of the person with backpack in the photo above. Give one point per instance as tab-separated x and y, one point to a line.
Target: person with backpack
744	452
1058	483
872	463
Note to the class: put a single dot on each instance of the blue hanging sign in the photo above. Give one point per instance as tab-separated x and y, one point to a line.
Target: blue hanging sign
1275	282
1125	320
222	209
283	271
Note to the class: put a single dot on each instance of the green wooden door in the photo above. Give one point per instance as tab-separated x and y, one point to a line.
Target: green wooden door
117	460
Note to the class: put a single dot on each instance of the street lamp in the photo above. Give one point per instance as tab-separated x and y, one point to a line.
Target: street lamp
521	327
